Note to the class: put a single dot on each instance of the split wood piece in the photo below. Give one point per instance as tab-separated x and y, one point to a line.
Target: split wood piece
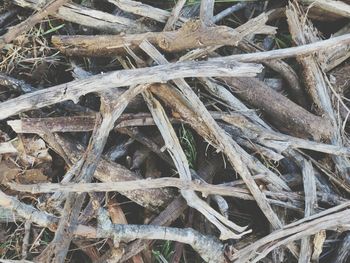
74	89
111	108
317	82
174	16
210	249
193	104
144	10
306	49
174	148
191	35
297	230
91	18
310	205
338	8
221	140
280	199
206	12
282	112
13	32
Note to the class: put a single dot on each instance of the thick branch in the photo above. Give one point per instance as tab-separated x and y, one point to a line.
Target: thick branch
73	90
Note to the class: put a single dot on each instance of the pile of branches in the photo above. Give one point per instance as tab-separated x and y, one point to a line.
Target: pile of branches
174	132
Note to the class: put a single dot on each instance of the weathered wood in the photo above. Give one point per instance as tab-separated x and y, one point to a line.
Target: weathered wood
310	205
13	32
317	82
175	15
192	34
73	90
206	12
144	10
282	112
91	18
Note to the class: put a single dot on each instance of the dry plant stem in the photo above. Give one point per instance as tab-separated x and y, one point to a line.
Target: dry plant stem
89	17
192	34
306	49
174	16
284	113
28	212
15	31
310	205
172	211
267	137
207	12
316	81
336	7
174	148
210	249
204	188
229	11
259	249
144	10
108	171
73	90
221	140
111	109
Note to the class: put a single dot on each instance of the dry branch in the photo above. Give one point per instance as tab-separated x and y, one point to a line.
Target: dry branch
73	90
207	12
282	112
175	15
306	49
236	155
15	31
91	18
259	249
191	35
331	6
310	205
174	148
317	82
144	10
207	247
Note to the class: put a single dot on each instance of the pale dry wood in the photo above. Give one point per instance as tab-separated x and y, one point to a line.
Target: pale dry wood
221	140
229	11
205	189
317	82
210	249
206	12
331	6
28	212
89	17
111	108
174	148
13	32
108	171
328	219
343	253
144	10
175	15
306	49
73	90
310	205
